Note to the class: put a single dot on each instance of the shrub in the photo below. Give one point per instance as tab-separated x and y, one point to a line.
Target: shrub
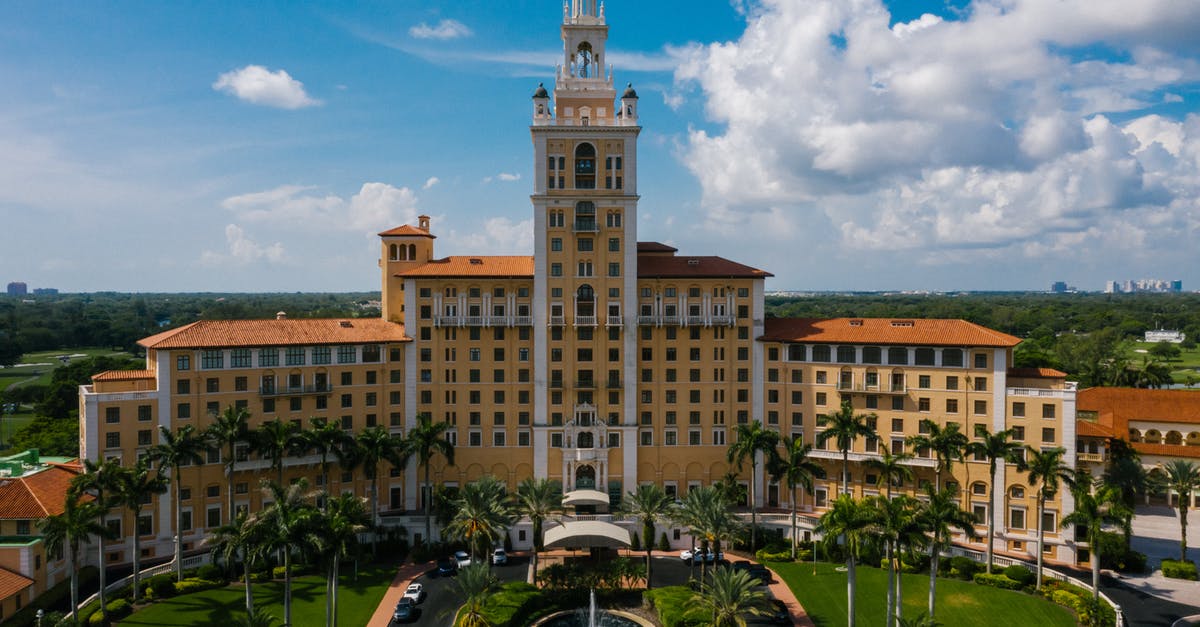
297	570
964	567
663	543
997	581
261	576
635	543
116	611
211	572
1176	569
188	586
161	586
675	607
1020	574
768	555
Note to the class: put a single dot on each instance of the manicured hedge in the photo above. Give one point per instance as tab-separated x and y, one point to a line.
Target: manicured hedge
675	607
116	611
997	581
188	586
1176	569
160	586
1020	574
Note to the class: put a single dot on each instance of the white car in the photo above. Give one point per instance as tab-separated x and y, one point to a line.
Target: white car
462	558
499	557
416	592
700	555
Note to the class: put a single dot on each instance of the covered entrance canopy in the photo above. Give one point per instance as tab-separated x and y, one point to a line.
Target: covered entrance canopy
592	534
584	497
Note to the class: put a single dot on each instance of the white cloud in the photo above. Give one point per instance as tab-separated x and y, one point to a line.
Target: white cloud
430	182
258	85
499	236
951	141
445	29
376	206
241	250
506	177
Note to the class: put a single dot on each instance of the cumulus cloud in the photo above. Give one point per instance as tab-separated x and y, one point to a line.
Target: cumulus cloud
974	138
430	182
258	85
374	207
241	250
506	177
498	236
445	29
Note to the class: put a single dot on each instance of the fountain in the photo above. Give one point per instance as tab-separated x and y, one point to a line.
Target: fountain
590	616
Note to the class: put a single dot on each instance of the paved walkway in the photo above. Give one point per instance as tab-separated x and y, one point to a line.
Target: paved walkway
404	576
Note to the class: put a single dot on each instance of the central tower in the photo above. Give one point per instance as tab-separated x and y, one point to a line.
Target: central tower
585	270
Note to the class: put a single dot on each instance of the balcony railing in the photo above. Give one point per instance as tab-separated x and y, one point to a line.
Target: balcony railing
872	388
557	321
1092	457
614	384
614	321
522	321
648	321
723	319
586	226
585	384
695	320
295	390
585	321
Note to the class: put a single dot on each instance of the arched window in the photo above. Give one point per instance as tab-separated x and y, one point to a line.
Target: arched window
1174	437
412	252
585	301
585	216
585	167
584	63
394	252
1016	492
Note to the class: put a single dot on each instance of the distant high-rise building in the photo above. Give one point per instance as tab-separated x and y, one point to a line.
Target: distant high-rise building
1112	287
1177	286
1059	287
1143	285
17	288
45	291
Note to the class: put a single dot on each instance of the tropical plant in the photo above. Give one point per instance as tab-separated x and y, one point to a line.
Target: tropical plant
649	503
732	597
288	526
844	427
134	487
79	521
750	440
946	443
1095	506
939	516
706	514
796	469
376	445
474	584
894	522
228	429
995	447
1047	472
336	534
174	451
99	480
1182	478
327	438
482	515
893	468
240	540
275	440
427	440
538	499
849	521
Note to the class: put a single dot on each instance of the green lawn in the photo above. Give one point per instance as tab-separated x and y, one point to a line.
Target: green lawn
1183	370
226	606
959	603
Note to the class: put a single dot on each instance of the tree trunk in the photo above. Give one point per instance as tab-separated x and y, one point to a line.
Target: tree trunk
249	593
794	524
1095	559
74	583
891	592
137	557
375	513
280	470
229	482
991	514
851	582
1183	528
428	503
102	568
899	593
1041	538
845	471
648	531
178	529
287	587
753	508
933	563
336	569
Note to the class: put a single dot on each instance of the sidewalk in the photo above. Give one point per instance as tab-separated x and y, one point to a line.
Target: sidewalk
404	576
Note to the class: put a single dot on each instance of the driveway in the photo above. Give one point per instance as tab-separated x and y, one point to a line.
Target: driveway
443	600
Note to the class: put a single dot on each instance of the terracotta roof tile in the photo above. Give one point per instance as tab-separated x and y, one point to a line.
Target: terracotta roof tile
655	247
1166	450
407	229
12	583
276	332
493	267
687	266
1036	373
35	496
913	332
123	375
1125	404
1091	429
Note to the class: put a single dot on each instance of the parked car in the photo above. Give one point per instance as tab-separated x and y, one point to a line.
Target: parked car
499	557
446	567
462	558
686	555
699	555
406	610
416	592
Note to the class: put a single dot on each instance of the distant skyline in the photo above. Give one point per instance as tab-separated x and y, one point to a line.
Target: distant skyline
843	146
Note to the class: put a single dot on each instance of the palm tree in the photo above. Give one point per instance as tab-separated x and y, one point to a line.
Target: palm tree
732	597
337	529
848	520
275	440
995	447
240	539
844	427
939	516
425	441
1125	472
752	439
892	469
1094	510
174	451
1047	470
78	522
229	428
705	512
894	522
134	487
796	469
287	524
475	584
482	514
376	445
650	504
100	480
538	499
947	444
328	438
1182	478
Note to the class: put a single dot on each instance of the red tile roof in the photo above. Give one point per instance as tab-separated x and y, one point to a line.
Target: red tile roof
407	229
123	375
1087	428
35	496
913	332
1036	373
508	267
276	332
1166	450
1125	404
655	247
662	266
12	583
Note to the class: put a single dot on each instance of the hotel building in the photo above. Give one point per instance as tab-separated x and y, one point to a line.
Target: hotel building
600	361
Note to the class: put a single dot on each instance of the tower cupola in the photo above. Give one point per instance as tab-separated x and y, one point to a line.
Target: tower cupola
541	104
628	112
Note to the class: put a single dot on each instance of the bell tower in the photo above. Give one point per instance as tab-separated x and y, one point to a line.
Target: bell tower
585	260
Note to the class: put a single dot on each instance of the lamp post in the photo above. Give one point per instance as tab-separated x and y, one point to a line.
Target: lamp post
40	614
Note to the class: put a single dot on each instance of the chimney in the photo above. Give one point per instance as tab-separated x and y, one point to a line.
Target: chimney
282	315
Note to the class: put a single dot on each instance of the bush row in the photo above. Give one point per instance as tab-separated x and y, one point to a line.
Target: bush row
1179	570
997	581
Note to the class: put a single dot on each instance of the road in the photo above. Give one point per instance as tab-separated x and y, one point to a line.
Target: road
443	600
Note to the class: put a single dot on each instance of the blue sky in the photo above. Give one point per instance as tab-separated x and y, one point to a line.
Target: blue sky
223	146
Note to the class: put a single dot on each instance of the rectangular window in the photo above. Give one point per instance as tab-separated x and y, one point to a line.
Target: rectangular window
980	408
1018	409
1048	435
183	411
980	384
143	413
268	357
239	358
295	356
112	439
981	360
1016	518
952	383
1047	410
210	360
923	404
183	362
112	415
322	355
